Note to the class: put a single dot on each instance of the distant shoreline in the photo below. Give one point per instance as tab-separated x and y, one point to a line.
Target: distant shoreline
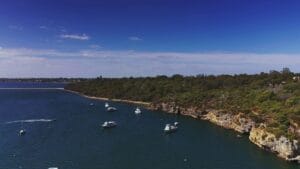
32	88
107	99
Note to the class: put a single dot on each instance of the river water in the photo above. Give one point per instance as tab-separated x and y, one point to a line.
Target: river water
63	130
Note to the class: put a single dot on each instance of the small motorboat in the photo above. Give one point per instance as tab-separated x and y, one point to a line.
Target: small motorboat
170	128
106	105
91	104
239	136
176	123
111	109
53	168
137	111
109	124
22	132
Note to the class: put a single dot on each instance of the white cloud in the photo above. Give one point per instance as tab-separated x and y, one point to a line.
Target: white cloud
24	62
75	36
134	38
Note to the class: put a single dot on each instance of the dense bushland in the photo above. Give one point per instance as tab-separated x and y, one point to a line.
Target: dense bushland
273	98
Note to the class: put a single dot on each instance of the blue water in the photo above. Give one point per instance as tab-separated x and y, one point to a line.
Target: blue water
75	139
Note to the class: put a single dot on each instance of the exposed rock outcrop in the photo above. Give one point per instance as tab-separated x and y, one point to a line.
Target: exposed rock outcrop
173	108
230	121
236	122
282	146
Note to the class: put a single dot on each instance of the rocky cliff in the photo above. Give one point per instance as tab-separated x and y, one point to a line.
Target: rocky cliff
237	122
282	146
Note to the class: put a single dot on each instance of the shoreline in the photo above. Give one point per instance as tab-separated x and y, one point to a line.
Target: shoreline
114	100
256	135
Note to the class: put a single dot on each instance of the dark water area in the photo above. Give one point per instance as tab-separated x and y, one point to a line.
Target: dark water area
63	130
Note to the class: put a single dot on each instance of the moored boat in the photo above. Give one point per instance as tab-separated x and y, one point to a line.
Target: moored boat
22	132
111	109
170	128
137	111
109	124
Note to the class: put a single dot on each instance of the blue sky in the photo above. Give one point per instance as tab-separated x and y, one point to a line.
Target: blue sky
114	38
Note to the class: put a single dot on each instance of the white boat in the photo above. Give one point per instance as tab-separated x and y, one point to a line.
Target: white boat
22	132
91	104
53	168
109	124
111	109
137	111
106	105
170	128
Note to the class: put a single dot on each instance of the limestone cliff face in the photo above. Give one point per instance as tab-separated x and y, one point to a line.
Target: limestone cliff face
295	128
282	146
230	121
173	108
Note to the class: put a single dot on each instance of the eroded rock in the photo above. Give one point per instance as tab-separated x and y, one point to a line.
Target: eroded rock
282	146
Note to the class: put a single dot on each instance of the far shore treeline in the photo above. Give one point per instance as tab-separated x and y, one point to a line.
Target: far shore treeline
42	80
273	98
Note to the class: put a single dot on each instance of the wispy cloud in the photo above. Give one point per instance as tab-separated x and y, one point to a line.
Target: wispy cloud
75	36
15	27
94	46
43	27
135	38
24	62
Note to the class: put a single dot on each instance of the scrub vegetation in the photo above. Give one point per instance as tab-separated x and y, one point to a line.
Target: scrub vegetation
272	98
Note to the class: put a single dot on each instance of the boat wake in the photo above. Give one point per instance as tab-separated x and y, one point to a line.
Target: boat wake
31	121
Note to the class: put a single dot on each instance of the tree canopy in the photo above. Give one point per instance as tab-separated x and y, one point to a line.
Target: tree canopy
273	97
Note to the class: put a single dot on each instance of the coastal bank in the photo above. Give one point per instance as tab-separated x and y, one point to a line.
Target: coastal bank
265	106
257	133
